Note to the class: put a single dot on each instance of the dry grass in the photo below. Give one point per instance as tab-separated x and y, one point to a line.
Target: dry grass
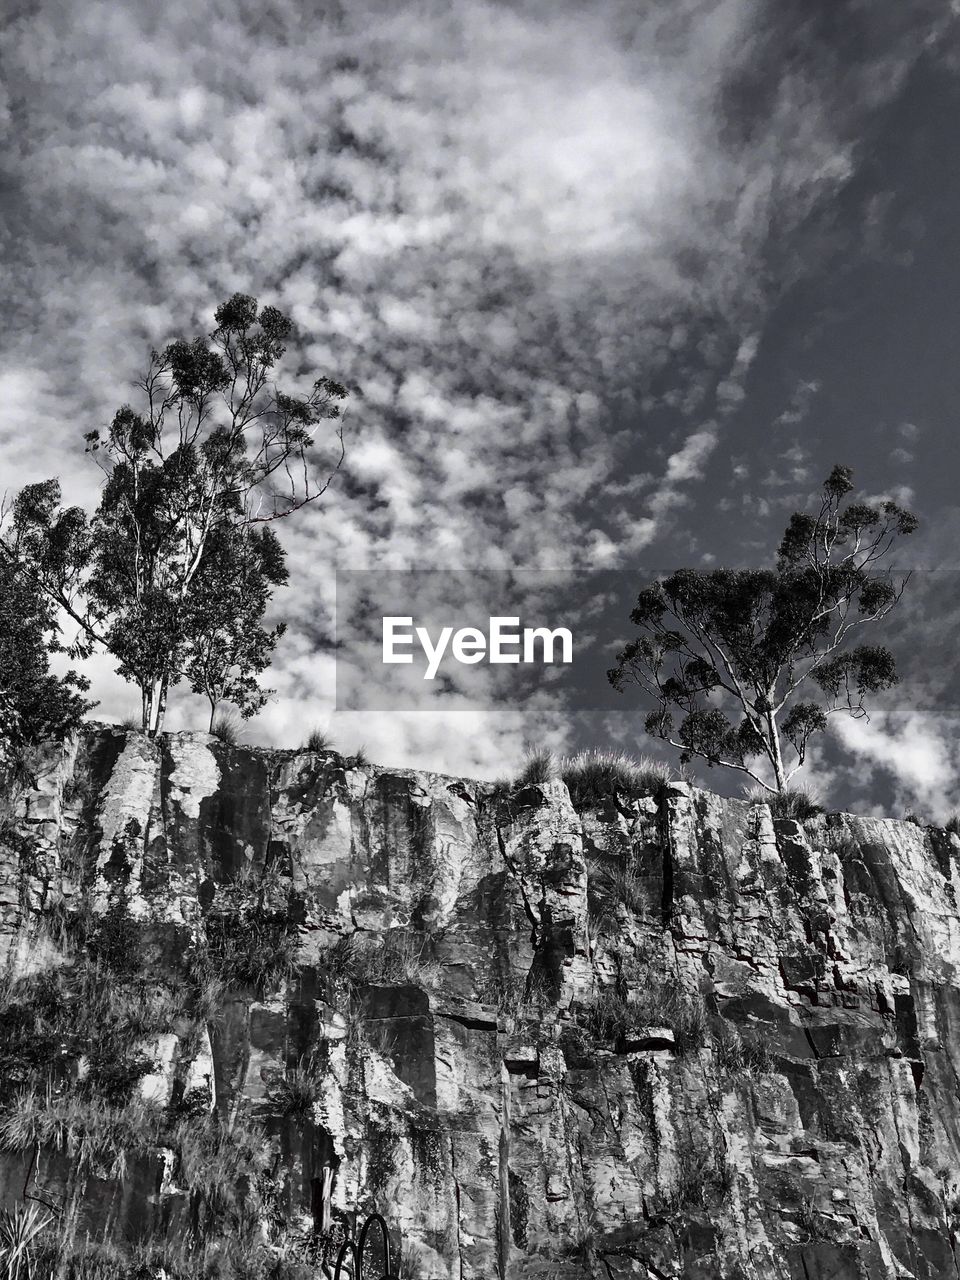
248	938
799	803
97	1136
538	766
610	885
734	1055
227	727
400	958
299	1090
595	776
515	991
318	742
612	1014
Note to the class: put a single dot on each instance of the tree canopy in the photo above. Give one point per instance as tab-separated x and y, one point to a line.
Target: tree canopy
172	573
744	666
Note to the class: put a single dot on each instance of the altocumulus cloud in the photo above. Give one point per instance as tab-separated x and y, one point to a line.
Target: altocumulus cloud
536	236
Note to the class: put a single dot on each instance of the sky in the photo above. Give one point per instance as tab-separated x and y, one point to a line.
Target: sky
613	285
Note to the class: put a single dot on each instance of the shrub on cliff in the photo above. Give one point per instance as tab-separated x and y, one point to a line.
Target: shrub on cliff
733	652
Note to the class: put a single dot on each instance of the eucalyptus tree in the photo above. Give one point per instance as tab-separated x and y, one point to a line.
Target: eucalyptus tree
213	452
744	666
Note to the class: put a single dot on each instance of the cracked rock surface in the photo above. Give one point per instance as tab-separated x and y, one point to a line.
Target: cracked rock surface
665	1036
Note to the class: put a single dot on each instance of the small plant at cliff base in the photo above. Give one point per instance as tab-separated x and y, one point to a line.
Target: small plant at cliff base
222	1166
750	643
594	776
172	573
20	1229
35	706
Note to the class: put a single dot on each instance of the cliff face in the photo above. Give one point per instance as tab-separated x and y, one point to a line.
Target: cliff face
664	1036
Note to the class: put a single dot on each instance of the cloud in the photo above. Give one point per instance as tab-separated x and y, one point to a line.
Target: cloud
916	751
801	402
533	235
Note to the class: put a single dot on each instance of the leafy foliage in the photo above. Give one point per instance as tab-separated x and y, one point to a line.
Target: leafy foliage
734	651
226	645
20	1229
172	574
35	705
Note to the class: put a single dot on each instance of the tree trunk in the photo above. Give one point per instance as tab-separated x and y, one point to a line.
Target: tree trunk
776	753
156	705
162	708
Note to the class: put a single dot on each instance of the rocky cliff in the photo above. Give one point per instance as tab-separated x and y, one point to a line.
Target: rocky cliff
253	994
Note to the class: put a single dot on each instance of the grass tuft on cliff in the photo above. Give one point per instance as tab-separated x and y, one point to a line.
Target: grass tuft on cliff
299	1090
402	958
539	766
248	937
610	885
613	1014
595	776
798	803
226	727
